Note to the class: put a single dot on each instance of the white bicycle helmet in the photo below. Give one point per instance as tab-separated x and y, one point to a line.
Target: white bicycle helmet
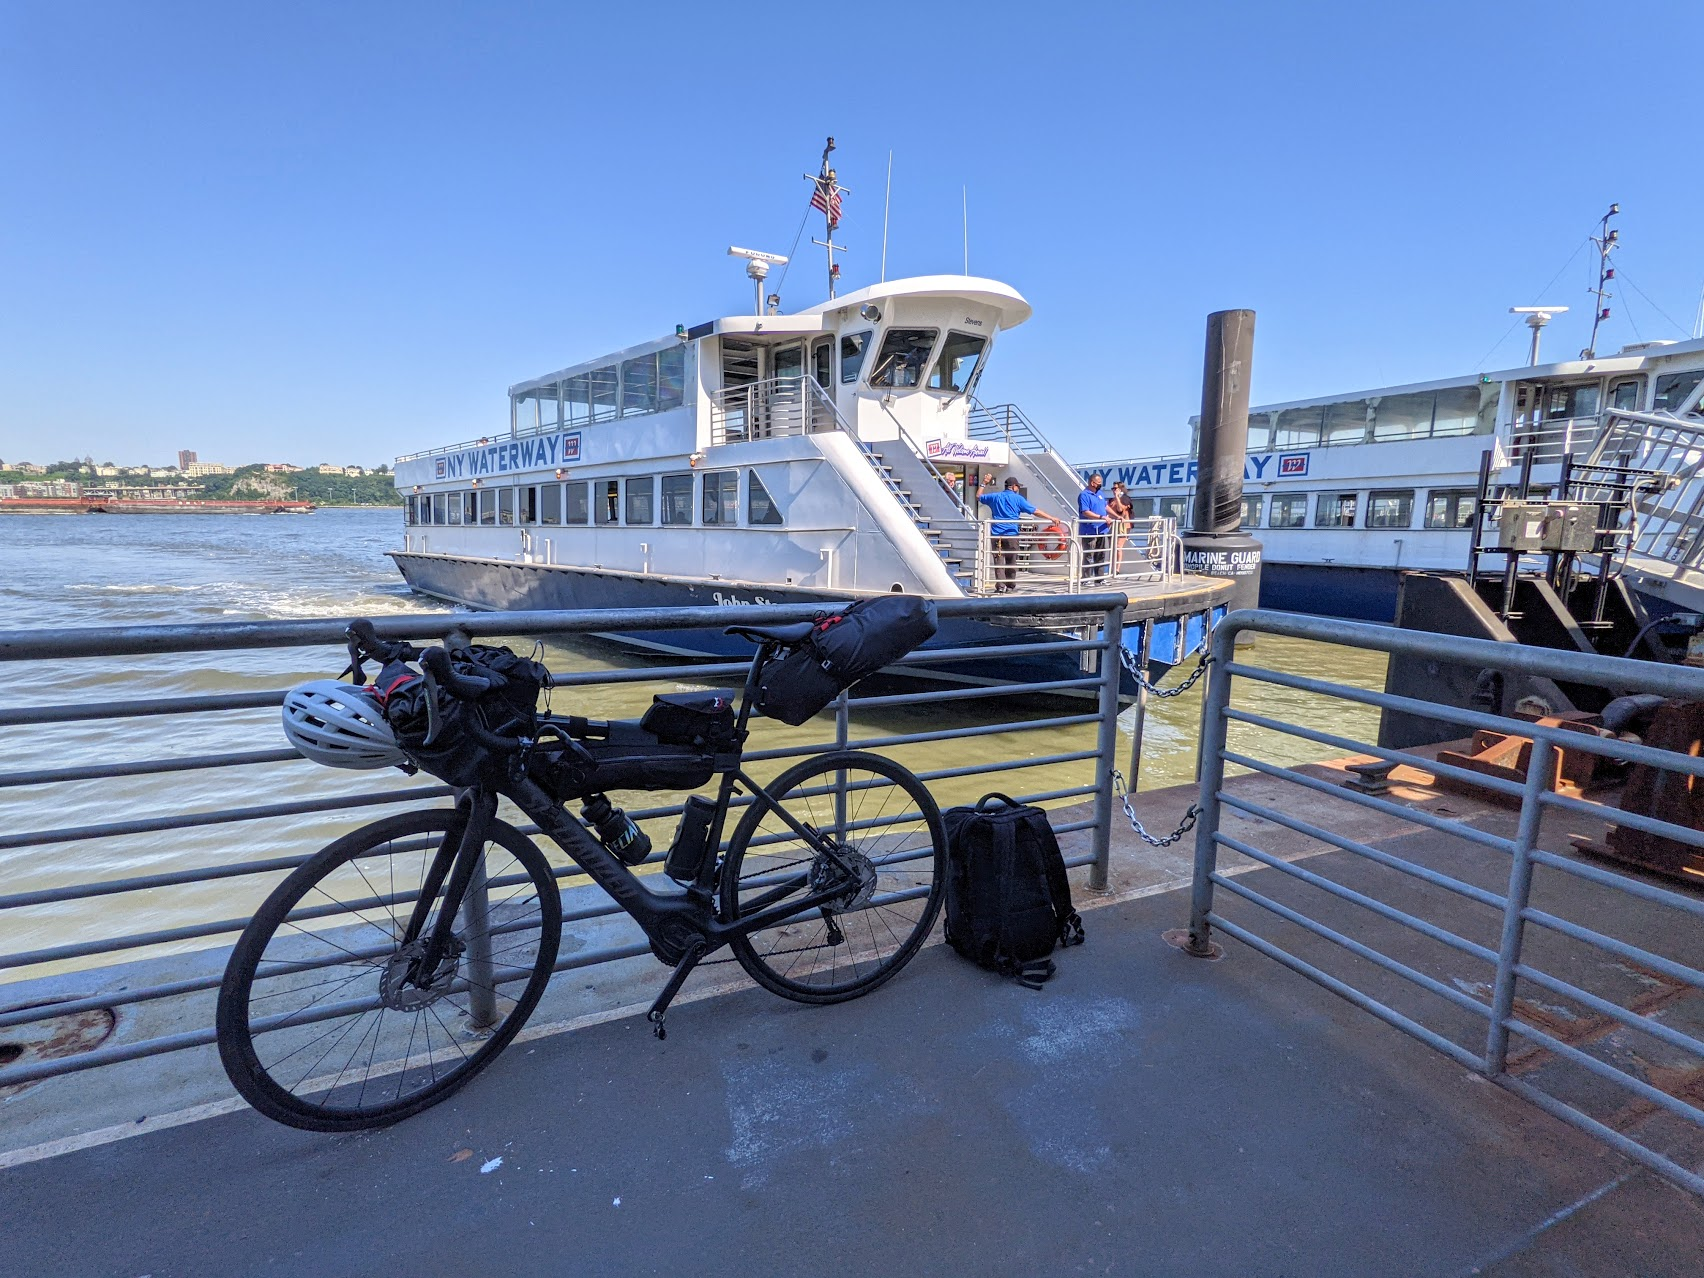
340	726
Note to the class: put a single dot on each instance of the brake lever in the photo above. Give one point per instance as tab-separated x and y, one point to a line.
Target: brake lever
434	720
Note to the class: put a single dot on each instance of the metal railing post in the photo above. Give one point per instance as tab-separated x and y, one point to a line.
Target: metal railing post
481	969
1210	767
1206	647
1106	746
1133	774
1540	770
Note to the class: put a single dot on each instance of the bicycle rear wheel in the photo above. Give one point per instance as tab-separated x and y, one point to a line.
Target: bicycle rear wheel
872	825
322	1021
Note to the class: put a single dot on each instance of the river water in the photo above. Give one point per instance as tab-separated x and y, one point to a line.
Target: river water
157	569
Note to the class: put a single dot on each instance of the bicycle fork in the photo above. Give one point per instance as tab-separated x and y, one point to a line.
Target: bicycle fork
464	866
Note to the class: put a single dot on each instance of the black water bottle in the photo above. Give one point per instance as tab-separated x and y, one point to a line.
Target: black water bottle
615	830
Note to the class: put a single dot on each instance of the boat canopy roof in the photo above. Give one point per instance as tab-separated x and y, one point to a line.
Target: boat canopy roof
1003	298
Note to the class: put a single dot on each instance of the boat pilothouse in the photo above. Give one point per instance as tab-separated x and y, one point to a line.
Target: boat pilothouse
821	454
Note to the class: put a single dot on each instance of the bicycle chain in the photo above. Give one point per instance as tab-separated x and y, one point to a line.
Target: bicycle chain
1135	668
1187	824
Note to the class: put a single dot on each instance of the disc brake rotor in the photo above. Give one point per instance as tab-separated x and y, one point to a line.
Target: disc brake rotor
405	989
859	877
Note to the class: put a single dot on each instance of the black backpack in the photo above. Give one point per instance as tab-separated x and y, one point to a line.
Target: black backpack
1008	902
842	648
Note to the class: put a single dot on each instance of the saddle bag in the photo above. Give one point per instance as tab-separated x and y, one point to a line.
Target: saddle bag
599	757
1008	901
841	649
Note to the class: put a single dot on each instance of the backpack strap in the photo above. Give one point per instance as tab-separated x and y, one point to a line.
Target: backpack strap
1059	888
1031	975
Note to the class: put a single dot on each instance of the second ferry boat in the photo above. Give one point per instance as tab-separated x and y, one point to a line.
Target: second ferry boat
819	455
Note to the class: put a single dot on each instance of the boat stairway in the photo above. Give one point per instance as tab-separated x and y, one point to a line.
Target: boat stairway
956	551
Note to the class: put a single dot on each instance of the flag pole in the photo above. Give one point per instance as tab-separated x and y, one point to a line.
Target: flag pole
887	201
825	195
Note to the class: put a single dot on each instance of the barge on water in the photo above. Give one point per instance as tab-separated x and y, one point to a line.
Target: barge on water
148	506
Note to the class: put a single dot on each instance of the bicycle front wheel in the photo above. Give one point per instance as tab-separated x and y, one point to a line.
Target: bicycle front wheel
845	817
324	1019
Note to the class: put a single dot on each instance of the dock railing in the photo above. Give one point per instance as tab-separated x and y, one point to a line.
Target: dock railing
1566	992
96	919
1054	557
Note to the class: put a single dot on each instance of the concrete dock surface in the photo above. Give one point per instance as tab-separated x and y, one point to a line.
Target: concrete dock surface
1145	1113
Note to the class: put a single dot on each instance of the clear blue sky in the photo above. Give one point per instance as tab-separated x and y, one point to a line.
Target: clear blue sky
339	231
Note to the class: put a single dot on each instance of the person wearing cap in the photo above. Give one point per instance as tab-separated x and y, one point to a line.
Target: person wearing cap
1007	507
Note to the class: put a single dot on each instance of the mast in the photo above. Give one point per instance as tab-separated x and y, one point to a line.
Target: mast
1606	241
825	198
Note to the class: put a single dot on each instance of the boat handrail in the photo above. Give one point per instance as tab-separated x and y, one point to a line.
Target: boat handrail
1009	424
1056	558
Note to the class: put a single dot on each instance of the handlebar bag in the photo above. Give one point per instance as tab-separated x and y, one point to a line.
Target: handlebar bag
841	649
516	687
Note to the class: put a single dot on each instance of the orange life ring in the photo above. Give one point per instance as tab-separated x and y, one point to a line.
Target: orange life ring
1052	541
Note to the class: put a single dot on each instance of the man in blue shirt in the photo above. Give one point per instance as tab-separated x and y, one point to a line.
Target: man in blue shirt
1091	523
1008	507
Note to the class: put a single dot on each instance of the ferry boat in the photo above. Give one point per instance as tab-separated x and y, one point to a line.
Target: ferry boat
1346	492
817	455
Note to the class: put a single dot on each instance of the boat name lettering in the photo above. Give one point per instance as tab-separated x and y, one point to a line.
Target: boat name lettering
949	449
734	601
513	455
1163	473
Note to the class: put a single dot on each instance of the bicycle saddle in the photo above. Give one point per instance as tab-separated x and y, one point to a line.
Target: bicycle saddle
792	633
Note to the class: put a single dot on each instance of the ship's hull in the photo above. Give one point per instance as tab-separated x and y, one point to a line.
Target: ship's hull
504	585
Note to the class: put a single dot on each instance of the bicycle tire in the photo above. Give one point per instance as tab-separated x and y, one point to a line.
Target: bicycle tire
259	1034
884	925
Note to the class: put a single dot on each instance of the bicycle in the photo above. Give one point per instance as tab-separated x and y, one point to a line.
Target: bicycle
391	967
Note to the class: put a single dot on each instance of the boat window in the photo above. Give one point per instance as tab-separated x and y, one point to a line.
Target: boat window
1141	508
1289	510
760	506
506	505
1625	394
1297	428
528	511
577	505
577	395
1251	511
642	500
957	365
639	385
1674	389
457	507
788	361
550	504
1336	510
671	377
1449	508
853	348
1562	402
1260	431
437	516
722	497
1406	416
603	389
1175	508
607	501
470	507
904	353
1391	508
1347	423
487	499
677	498
411	511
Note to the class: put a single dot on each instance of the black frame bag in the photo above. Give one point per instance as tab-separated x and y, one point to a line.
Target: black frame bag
841	649
1008	900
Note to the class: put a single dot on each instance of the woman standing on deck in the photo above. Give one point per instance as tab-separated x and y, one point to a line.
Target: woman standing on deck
1118	510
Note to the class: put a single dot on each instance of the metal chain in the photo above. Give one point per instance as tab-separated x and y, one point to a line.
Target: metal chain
1135	668
1184	827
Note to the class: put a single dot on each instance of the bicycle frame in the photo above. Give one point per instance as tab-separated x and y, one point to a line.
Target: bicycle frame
678	924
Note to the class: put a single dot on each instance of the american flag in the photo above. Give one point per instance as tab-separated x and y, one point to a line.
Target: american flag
825	198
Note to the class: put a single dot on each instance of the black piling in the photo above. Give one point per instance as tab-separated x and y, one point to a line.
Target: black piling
1215	545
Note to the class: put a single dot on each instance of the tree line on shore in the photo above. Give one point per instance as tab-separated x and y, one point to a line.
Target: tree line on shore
245	483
